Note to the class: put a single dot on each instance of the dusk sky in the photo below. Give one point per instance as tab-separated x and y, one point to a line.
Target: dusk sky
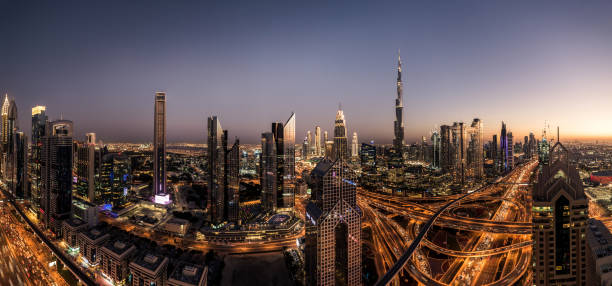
254	62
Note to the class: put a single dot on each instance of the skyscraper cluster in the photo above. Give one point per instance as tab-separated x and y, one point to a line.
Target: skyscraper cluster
278	166
461	150
223	175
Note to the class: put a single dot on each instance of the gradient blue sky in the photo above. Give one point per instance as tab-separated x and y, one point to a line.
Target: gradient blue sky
254	62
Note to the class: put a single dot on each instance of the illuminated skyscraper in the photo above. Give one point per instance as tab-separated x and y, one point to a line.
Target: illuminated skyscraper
333	226
232	181
459	150
398	124
446	151
311	149
435	149
340	148
284	174
20	183
39	125
289	161
268	172
318	148
56	191
9	127
476	156
88	167
159	149
510	158
217	144
503	149
325	139
560	214
355	145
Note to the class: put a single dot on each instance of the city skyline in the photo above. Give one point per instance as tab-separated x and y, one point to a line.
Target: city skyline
457	66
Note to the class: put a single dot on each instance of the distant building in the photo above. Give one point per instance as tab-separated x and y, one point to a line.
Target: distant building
355	146
186	274
318	148
398	124
370	178
149	269
340	147
560	213
446	151
510	152
503	149
333	226
435	149
476	152
56	195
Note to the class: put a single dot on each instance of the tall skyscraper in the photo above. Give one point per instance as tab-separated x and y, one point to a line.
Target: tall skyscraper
435	150
503	148
446	152
159	149
476	156
268	172
398	124
355	145
20	185
510	152
9	127
115	179
340	147
560	214
217	144
39	126
310	150
284	173
232	182
333	226
88	169
325	138
370	178
459	150
56	191
318	148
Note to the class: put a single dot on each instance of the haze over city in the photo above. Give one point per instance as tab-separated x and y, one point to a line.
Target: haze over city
252	63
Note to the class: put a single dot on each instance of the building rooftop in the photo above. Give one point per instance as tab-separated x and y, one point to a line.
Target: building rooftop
599	239
149	261
95	233
188	273
75	222
118	247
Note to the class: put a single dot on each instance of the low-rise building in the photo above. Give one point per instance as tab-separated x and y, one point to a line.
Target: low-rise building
115	255
599	254
90	242
149	269
176	226
70	231
187	274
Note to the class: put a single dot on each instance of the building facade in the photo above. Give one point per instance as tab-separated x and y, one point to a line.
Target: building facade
159	147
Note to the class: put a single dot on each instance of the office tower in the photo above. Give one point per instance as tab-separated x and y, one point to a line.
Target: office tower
458	150
88	166
305	148
232	181
39	125
159	149
503	149
445	148
217	144
476	158
369	175
56	166
398	124
20	189
318	148
436	149
268	172
340	147
284	173
115	179
325	139
289	160
333	226
526	146
355	146
560	213
493	152
510	160
9	121
532	145
310	150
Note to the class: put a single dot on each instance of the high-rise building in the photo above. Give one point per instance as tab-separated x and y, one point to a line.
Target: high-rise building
340	148
370	177
284	173
56	191
436	149
510	158
476	156
115	179
398	124
88	166
318	148
268	172
159	149
532	145
9	127
20	185
355	145
325	139
459	150
217	144
39	125
232	182
310	150
503	149
446	151
333	226
494	153
560	213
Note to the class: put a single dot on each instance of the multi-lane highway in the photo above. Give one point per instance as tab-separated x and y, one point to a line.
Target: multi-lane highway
493	249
